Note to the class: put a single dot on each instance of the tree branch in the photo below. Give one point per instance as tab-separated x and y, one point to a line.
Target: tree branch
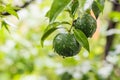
112	25
23	6
115	2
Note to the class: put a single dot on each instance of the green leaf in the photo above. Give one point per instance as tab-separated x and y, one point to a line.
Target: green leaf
81	3
64	22
2	8
82	39
47	33
66	76
74	7
56	8
50	29
11	11
5	25
115	16
98	7
54	24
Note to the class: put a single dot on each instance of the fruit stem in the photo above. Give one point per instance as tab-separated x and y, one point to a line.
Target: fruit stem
70	29
71	26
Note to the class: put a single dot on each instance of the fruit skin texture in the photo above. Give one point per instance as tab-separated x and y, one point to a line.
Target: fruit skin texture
87	24
66	45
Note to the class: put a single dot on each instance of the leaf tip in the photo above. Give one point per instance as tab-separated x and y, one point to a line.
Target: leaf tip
42	43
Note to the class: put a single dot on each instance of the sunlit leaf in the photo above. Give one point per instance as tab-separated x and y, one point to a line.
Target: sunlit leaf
2	8
82	39
115	16
56	8
11	11
5	25
81	3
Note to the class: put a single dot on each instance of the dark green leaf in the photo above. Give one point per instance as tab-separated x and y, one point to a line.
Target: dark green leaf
11	11
56	8
47	33
97	7
74	7
66	76
100	5
82	39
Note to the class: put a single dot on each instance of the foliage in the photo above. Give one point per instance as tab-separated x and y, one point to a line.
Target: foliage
83	24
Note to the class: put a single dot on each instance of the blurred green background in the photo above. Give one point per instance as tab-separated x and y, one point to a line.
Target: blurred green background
23	58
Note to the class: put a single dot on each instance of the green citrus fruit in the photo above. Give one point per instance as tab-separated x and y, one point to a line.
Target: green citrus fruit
66	45
86	23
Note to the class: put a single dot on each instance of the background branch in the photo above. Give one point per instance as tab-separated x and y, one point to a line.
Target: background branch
115	2
112	25
23	6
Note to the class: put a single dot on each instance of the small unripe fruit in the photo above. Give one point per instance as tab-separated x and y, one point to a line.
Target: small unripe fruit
87	24
66	45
